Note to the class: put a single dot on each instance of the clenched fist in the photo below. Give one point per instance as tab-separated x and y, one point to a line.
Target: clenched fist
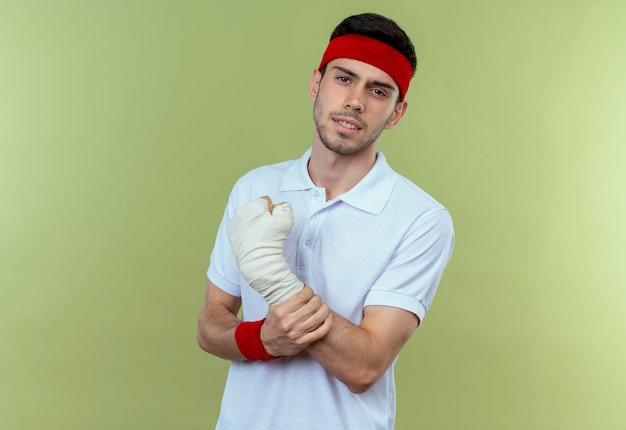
257	234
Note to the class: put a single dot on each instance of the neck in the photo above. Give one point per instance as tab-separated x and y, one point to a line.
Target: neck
336	173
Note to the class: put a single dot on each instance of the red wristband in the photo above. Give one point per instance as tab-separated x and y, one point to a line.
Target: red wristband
248	338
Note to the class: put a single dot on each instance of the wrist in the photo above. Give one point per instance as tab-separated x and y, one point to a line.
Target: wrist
248	338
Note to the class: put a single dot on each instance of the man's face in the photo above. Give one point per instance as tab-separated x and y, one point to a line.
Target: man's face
354	103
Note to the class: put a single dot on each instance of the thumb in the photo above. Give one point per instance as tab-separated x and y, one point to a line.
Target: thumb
283	216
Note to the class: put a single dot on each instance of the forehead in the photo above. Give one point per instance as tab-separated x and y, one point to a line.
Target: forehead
362	70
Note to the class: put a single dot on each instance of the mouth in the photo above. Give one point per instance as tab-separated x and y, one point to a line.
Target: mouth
348	124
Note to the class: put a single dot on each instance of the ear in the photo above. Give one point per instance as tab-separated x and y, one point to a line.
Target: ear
314	85
398	112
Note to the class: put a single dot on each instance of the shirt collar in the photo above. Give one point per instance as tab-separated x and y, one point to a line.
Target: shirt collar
370	194
297	176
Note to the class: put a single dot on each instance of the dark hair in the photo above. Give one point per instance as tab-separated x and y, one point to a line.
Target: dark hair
380	28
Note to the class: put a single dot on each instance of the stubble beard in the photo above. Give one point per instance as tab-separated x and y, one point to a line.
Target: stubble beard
340	145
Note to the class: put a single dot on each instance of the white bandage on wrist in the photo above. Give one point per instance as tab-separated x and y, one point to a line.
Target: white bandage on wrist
257	238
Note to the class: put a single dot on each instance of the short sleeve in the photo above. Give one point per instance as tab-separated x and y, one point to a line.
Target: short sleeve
223	270
413	274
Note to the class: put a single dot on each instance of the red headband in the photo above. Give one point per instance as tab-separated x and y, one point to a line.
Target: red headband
374	52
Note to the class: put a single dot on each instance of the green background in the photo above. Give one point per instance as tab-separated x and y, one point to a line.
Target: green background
123	125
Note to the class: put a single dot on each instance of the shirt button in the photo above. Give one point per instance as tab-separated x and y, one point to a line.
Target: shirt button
307	242
315	216
316	193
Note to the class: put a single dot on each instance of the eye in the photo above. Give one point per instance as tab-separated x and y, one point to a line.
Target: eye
378	92
343	79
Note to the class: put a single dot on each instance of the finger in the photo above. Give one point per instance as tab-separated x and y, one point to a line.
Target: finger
295	303
308	316
270	205
319	332
317	317
305	294
284	210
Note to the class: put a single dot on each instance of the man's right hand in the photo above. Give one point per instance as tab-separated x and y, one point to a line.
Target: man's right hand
296	323
257	233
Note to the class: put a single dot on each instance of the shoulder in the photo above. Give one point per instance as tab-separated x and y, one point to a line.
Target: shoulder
267	172
412	197
264	180
418	213
404	194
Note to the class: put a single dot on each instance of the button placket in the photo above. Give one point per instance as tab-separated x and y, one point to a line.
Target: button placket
310	229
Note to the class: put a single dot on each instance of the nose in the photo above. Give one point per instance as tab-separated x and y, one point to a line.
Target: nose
354	101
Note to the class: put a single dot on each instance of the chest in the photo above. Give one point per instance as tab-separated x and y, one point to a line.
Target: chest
340	252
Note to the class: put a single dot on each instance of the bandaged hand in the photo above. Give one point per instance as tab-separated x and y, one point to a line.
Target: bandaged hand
257	233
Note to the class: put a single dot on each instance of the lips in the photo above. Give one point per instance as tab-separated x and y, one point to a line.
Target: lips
348	123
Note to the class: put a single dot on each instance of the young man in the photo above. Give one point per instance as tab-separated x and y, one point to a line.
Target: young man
333	282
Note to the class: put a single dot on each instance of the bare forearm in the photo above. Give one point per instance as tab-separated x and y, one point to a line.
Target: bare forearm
349	353
216	335
217	323
359	355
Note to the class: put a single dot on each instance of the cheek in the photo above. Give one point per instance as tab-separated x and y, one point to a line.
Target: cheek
393	114
323	103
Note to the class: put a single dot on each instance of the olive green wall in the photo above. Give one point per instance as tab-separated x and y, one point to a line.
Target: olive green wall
123	125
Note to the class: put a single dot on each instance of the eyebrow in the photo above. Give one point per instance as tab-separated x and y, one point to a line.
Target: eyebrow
354	75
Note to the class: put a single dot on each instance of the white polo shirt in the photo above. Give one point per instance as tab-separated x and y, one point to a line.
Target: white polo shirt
384	242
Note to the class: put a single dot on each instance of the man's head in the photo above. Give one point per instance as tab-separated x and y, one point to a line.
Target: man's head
376	40
358	90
